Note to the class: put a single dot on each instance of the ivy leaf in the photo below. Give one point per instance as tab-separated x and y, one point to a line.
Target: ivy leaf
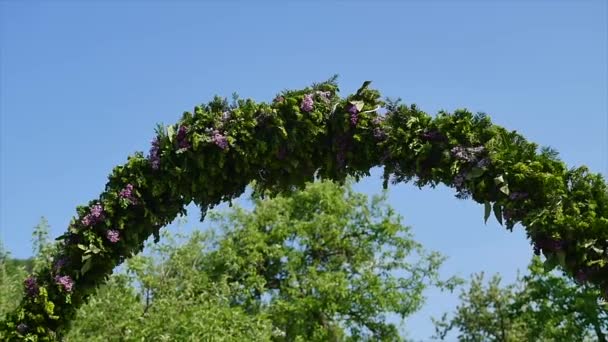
475	172
561	258
86	266
505	189
170	132
358	104
498	212
499	180
487	210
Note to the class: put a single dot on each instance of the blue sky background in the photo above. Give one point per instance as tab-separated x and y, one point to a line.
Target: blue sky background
82	86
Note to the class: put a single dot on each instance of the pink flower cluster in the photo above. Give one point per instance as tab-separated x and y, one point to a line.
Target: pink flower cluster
127	193
307	103
219	139
95	216
66	282
113	235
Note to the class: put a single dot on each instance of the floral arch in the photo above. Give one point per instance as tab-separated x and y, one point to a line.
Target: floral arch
219	148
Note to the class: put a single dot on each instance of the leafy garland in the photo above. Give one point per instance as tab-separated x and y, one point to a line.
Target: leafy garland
213	153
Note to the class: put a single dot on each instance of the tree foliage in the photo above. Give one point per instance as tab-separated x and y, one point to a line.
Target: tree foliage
540	306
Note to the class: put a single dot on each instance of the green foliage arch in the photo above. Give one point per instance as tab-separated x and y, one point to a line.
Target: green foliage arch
219	148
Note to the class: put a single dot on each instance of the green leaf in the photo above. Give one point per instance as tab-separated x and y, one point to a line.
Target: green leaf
83	247
358	104
499	180
561	258
504	189
170	132
550	263
487	210
475	172
498	212
86	266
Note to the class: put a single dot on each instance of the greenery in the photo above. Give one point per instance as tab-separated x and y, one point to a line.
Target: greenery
215	151
541	306
323	264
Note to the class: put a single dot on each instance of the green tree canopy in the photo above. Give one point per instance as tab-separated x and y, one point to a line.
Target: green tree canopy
540	306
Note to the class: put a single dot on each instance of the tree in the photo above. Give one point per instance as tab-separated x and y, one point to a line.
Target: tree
322	264
540	306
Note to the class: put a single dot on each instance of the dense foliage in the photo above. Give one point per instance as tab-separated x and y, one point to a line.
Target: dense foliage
216	150
540	306
323	264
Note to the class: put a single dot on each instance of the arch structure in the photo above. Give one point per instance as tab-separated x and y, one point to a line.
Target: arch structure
214	152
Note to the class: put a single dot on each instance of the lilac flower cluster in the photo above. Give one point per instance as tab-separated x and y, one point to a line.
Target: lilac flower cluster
31	286
65	281
127	193
433	135
96	215
548	244
514	196
324	95
182	137
60	263
343	145
226	116
354	114
113	235
379	133
219	139
307	103
468	154
459	180
279	99
483	162
155	154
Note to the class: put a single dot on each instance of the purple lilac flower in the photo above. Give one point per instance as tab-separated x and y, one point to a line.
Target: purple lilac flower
342	145
354	118
66	282
459	180
324	95
182	138
432	135
113	235
378	120
60	263
279	99
22	328
468	154
31	286
307	103
220	140
379	133
483	162
95	215
127	193
514	196
155	154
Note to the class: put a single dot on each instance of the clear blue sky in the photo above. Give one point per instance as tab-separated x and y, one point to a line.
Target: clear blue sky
83	86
